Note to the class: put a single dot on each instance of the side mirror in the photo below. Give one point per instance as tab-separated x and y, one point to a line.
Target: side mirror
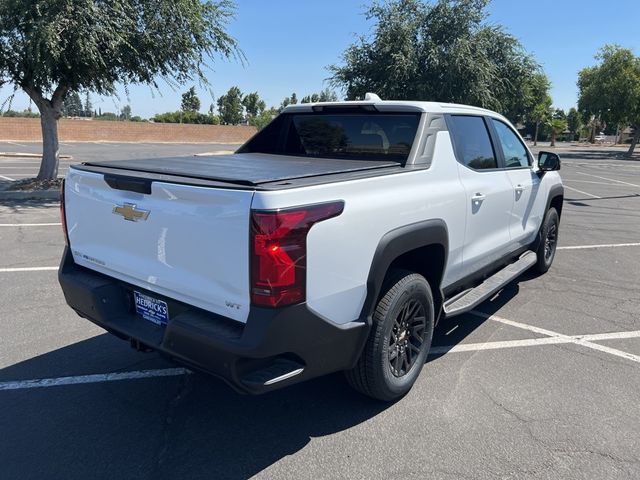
548	161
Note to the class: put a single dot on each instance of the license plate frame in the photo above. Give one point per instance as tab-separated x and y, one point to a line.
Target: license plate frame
151	309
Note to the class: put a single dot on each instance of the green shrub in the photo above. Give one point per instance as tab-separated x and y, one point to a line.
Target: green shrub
186	117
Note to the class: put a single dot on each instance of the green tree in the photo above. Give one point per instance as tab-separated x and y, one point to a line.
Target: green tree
573	122
72	105
230	107
313	98
441	51
87	107
190	101
264	118
51	47
126	112
536	102
292	100
326	95
186	117
610	90
556	126
253	104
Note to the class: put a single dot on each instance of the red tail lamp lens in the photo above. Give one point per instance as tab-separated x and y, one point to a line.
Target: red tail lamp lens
279	252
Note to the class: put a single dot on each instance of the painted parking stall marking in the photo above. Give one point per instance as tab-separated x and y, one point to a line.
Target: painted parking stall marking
94	378
582	192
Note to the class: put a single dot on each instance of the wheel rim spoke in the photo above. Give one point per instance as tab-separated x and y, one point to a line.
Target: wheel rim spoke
407	337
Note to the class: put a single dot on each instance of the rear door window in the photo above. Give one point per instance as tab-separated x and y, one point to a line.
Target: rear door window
472	143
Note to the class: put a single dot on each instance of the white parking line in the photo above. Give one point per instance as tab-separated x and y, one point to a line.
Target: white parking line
27	269
604	245
3	177
551	338
17	144
572	180
580	191
581	340
30	224
607	165
609	179
531	342
23	167
96	378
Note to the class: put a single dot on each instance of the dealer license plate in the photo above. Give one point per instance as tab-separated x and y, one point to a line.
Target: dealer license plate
151	309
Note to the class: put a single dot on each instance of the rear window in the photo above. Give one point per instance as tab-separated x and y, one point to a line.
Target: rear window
472	143
353	136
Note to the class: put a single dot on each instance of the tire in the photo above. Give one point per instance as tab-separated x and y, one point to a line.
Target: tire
395	352
548	241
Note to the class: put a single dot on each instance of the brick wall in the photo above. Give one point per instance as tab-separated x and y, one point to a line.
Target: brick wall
28	129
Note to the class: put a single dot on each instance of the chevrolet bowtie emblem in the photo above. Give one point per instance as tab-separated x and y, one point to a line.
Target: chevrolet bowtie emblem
130	212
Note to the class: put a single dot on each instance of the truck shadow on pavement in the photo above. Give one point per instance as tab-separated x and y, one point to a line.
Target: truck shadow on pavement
189	426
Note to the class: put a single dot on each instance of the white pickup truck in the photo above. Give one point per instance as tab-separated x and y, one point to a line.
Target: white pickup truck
334	239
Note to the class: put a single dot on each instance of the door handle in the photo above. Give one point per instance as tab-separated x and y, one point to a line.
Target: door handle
520	188
478	197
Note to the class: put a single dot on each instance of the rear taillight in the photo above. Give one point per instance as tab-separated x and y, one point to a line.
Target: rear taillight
63	215
279	252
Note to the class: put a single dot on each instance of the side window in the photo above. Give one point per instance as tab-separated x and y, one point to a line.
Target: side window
515	153
472	143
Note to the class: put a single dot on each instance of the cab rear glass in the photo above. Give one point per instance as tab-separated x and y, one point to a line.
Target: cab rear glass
353	136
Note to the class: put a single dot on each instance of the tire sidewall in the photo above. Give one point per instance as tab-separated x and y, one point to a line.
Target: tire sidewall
417	289
550	218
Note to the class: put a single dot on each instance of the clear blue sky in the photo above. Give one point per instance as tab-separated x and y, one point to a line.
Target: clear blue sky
289	43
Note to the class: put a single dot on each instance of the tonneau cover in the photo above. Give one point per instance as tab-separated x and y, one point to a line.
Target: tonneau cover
244	168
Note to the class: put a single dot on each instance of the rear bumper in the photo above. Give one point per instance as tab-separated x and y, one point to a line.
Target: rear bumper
275	348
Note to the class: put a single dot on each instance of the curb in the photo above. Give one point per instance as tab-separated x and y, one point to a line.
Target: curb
51	194
30	155
212	154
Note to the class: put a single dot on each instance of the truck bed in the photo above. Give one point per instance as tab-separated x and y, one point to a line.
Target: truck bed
250	169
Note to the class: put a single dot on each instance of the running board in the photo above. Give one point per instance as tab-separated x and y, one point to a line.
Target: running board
469	299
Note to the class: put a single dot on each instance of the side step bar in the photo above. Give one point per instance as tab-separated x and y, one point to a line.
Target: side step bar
469	299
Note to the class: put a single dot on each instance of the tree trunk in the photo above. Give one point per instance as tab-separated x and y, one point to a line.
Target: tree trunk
636	138
49	114
535	137
553	138
50	147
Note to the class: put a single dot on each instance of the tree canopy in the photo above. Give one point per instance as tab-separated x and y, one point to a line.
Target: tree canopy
230	107
610	90
441	51
190	101
326	95
51	47
253	104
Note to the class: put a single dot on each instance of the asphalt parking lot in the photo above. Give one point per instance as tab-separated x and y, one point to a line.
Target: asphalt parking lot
541	382
13	168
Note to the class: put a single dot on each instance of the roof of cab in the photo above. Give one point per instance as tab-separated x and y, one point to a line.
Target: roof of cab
396	106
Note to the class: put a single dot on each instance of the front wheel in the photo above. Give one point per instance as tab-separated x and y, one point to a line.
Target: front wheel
546	251
399	342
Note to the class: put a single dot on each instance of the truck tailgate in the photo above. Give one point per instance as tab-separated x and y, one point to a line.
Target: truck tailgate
185	242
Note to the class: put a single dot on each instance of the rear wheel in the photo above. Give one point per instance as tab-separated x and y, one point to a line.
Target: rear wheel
399	342
546	251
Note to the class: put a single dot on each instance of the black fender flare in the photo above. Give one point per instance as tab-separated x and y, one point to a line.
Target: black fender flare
395	243
555	191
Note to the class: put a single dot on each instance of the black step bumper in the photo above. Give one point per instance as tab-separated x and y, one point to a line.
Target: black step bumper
275	348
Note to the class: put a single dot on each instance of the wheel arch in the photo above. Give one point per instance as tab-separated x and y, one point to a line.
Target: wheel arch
555	198
420	247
